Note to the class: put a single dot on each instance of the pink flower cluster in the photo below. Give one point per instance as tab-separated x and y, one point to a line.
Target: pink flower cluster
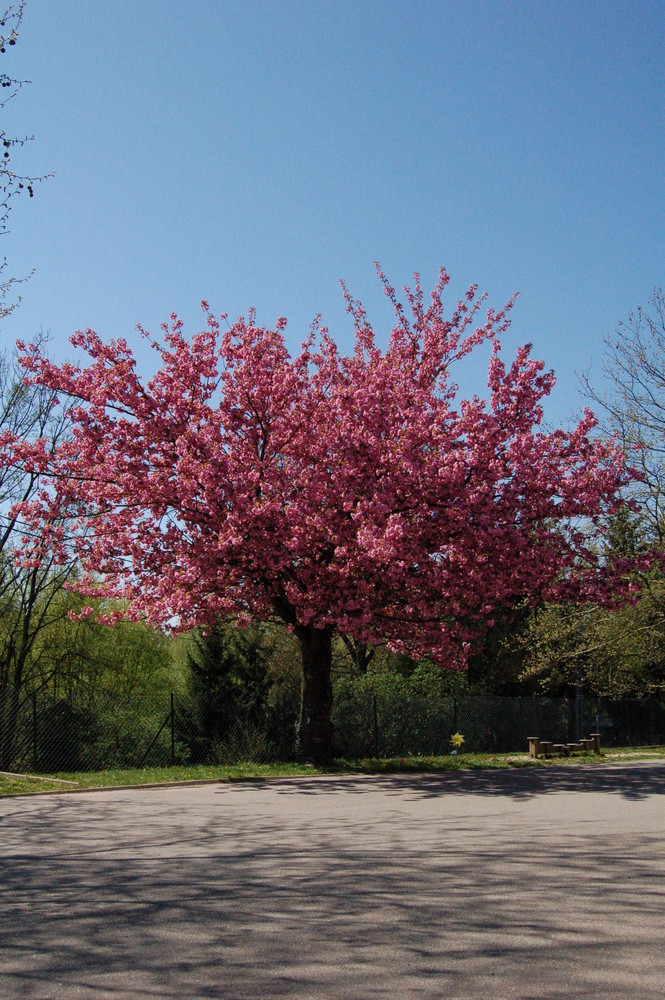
350	492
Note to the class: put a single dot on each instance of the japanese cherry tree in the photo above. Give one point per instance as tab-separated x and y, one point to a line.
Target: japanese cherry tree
356	494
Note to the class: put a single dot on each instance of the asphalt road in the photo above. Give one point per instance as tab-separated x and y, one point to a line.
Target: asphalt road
529	884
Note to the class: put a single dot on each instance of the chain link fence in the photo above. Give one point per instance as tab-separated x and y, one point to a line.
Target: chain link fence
398	726
48	735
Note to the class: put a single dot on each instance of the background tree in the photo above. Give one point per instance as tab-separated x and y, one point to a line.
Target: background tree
631	394
28	591
609	652
11	183
352	495
80	660
497	663
229	679
622	651
360	653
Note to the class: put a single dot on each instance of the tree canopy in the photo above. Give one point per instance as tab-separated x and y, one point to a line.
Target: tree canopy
357	495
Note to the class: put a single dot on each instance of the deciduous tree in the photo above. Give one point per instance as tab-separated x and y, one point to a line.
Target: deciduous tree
11	182
28	591
631	395
357	494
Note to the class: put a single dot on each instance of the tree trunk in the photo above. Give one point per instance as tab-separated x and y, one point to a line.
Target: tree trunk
361	654
316	729
10	700
9	707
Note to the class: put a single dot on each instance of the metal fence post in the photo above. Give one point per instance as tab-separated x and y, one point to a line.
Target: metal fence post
628	721
285	752
455	714
172	731
578	708
34	731
376	728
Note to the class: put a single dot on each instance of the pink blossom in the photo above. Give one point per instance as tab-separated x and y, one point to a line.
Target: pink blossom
353	493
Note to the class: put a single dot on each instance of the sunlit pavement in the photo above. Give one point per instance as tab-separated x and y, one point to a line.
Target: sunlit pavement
530	884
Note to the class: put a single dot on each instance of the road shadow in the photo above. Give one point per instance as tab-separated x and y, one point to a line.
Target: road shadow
631	781
223	895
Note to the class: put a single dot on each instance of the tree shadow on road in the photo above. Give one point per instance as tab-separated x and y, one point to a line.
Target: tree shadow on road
227	892
227	908
631	781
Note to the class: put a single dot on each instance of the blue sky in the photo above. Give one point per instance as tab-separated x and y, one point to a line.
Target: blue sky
253	153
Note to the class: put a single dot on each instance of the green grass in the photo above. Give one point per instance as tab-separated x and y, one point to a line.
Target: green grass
459	762
155	775
248	771
26	786
634	753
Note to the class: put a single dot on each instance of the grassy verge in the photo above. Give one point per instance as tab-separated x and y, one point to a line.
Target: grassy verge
634	753
154	775
459	762
27	786
244	771
248	771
